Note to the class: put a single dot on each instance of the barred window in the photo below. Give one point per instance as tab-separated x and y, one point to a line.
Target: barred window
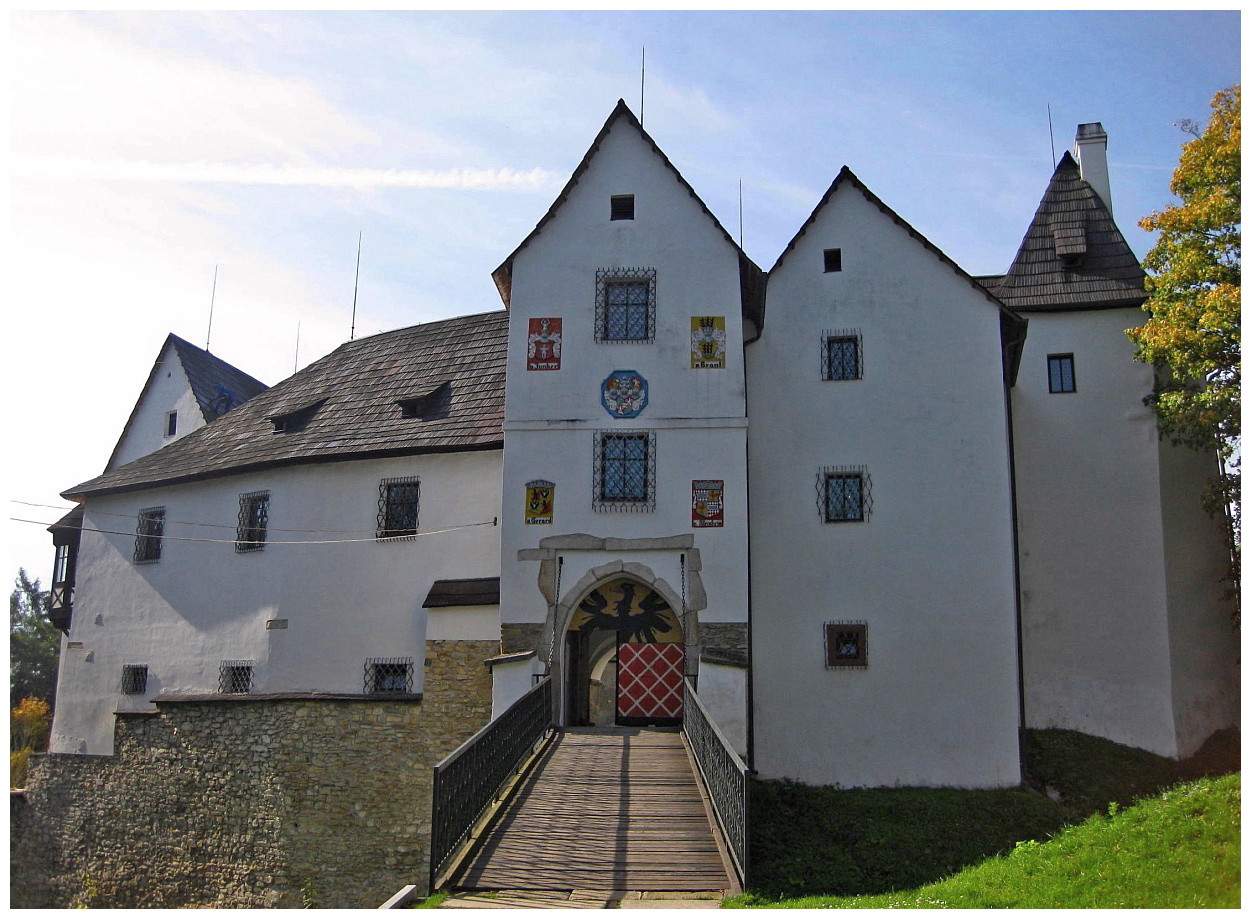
845	644
253	522
621	207
625	471
398	501
844	494
148	534
840	355
1060	376
388	675
625	305
134	679
235	678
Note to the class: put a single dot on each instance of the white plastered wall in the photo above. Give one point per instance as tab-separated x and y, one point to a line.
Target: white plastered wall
698	415
723	690
169	391
1123	635
203	603
930	572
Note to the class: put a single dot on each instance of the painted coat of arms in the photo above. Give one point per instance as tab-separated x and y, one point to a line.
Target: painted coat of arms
623	393
708	503
540	501
543	344
708	342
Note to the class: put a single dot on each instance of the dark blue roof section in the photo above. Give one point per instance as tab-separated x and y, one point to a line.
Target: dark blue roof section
218	387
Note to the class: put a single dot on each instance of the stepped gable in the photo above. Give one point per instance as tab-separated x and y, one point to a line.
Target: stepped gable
350	405
1073	257
218	386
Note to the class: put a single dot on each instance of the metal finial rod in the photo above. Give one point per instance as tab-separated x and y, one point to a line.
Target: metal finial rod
356	286
208	337
297	348
740	213
642	82
1051	132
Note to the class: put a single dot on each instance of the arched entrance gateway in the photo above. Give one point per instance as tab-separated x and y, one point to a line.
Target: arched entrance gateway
624	657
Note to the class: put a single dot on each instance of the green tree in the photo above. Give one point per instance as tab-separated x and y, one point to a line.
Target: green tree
34	643
1194	335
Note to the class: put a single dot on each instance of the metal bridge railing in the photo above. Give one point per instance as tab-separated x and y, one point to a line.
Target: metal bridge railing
470	777
725	777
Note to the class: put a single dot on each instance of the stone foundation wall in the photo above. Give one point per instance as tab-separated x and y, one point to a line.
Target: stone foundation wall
732	636
247	801
522	636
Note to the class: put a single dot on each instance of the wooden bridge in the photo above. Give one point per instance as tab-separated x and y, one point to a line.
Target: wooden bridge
603	809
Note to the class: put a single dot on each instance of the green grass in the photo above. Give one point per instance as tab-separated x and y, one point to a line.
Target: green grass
1180	849
430	902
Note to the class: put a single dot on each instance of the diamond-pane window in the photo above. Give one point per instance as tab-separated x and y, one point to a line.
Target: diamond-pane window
840	356
253	522
235	677
148	533
625	471
388	675
134	679
398	502
1060	376
844	494
625	305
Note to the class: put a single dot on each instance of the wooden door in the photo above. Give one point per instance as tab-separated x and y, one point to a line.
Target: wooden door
649	682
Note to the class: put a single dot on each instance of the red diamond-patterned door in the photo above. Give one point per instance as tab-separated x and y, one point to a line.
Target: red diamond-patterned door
649	682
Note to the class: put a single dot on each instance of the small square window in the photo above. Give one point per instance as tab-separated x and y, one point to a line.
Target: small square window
134	679
171	424
235	678
148	533
253	522
398	502
840	357
625	471
844	493
625	305
622	207
388	675
833	260
1060	377
845	644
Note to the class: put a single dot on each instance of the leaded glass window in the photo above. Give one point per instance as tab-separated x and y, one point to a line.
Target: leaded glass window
148	534
253	522
844	494
1060	377
840	357
388	674
625	468
625	305
398	502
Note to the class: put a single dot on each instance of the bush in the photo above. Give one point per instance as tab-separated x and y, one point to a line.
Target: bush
18	762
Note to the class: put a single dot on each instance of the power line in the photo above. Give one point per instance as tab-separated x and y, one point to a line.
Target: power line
276	542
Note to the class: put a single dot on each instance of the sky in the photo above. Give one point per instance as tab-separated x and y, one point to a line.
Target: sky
149	150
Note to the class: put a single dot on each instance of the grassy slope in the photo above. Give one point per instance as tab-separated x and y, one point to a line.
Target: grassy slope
827	841
1179	850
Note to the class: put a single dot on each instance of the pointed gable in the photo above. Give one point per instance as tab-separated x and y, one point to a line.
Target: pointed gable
217	386
1073	257
750	276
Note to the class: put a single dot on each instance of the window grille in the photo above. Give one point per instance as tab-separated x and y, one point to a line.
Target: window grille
846	644
625	305
388	675
253	522
622	207
148	534
844	494
235	678
625	471
398	501
833	260
134	679
1060	377
840	355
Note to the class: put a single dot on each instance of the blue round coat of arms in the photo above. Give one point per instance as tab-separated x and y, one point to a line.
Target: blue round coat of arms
623	393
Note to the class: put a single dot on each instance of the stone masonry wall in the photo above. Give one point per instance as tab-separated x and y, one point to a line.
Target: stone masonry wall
248	801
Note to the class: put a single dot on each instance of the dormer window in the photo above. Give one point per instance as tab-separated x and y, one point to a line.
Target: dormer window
434	403
1070	243
171	424
622	207
289	422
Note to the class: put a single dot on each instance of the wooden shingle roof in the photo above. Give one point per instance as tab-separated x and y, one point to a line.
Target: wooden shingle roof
357	386
217	386
1073	256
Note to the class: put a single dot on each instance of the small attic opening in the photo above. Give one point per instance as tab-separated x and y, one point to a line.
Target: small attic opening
429	405
289	422
1070	243
622	207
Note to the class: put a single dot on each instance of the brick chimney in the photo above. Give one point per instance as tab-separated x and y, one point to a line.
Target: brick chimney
1090	149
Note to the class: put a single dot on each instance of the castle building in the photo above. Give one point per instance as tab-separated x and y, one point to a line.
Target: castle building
882	513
